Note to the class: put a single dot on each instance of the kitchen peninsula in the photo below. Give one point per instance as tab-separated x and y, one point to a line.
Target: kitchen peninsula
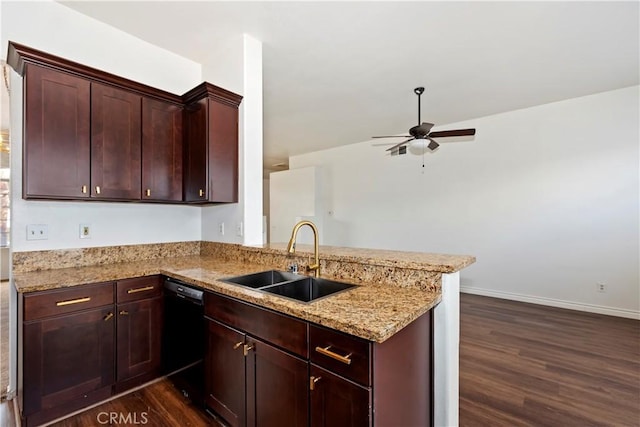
395	290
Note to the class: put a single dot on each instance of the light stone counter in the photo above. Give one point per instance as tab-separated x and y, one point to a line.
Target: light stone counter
394	289
371	311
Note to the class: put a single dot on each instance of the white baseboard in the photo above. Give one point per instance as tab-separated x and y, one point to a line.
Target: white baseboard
590	308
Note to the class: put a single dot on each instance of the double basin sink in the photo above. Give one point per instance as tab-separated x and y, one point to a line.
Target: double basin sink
290	285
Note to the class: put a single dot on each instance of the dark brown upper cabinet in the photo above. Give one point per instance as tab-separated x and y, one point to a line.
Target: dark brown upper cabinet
161	151
93	135
211	145
56	135
115	143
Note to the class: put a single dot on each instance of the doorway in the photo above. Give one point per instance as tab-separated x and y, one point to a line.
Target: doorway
5	226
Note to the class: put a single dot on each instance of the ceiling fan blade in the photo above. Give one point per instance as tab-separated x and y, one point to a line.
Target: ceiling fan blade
399	145
457	132
432	144
392	136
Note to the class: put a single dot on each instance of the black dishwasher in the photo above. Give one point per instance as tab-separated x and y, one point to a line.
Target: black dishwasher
184	338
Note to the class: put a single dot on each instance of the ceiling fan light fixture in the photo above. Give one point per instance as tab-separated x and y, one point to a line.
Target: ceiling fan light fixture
418	146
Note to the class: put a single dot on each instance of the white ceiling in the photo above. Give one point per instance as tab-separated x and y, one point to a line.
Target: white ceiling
339	72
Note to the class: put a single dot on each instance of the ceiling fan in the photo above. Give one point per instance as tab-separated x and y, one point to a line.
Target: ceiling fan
422	134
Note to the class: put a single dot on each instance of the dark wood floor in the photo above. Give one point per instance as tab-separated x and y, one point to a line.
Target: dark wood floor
520	365
531	365
159	405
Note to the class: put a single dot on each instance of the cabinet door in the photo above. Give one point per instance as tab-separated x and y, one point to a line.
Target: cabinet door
196	152
66	358
223	152
56	134
139	330
115	143
161	151
225	373
337	402
277	387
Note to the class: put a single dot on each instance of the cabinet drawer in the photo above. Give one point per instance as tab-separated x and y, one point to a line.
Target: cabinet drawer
138	288
61	301
283	331
343	354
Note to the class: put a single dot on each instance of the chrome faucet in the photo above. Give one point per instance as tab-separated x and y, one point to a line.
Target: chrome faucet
291	247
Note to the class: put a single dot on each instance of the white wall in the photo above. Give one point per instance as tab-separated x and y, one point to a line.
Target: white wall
59	30
265	208
546	198
248	210
295	195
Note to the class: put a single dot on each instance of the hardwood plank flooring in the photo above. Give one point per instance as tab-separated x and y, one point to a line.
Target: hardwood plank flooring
159	405
531	365
520	365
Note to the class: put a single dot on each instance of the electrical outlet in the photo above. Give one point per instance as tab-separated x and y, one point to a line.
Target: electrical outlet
221	228
37	232
601	287
85	231
239	229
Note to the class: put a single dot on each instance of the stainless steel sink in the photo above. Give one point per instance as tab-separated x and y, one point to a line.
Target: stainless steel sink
290	285
262	278
308	289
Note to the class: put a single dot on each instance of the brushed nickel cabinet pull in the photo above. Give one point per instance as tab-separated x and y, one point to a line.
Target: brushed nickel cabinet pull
73	301
84	189
247	348
108	316
312	382
97	189
135	290
201	192
148	192
237	345
124	313
344	359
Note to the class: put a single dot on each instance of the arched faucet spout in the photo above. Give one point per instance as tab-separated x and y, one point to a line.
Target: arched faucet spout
291	247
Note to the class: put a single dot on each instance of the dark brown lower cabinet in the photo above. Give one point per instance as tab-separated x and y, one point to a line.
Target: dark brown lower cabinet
67	363
337	402
139	334
252	383
225	373
277	387
80	345
265	368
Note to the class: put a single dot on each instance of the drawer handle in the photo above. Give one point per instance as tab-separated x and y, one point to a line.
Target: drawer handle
237	345
73	301
97	189
201	192
344	359
107	317
134	290
148	192
312	382
124	313
84	189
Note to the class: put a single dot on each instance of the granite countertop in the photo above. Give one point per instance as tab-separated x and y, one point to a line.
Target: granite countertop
443	263
370	311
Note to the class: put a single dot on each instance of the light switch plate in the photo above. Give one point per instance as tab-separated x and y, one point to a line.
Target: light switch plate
37	232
